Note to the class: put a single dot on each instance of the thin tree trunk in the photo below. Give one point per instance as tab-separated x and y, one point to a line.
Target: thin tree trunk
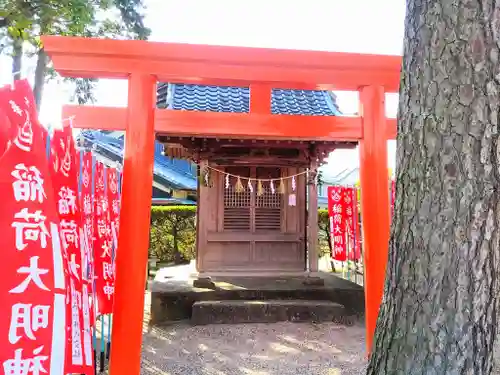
439	313
328	236
175	235
17	58
41	69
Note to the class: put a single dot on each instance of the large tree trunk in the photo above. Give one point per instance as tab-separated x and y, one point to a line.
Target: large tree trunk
439	312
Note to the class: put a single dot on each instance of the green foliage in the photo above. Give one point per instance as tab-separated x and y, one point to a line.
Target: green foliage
173	233
91	18
132	19
22	22
319	178
325	243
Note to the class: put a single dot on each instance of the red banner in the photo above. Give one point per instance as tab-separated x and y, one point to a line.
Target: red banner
86	195
356	253
347	202
64	176
103	242
5	131
32	308
65	196
87	267
114	202
336	213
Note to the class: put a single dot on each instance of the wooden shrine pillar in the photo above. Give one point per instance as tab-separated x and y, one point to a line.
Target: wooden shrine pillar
201	221
133	242
312	216
374	202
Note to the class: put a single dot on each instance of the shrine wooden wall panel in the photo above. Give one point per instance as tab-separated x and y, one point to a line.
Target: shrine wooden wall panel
226	256
228	243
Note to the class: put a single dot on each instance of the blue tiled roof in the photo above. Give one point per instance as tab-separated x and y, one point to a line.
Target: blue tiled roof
237	99
172	173
172	201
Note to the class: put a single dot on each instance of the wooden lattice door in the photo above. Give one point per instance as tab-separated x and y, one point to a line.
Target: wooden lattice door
267	211
237	205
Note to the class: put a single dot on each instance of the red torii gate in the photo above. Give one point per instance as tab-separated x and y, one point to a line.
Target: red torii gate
143	63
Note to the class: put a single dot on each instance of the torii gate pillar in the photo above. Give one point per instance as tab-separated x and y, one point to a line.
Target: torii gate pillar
374	202
131	260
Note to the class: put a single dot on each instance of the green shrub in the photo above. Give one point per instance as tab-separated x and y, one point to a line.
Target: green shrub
173	233
325	243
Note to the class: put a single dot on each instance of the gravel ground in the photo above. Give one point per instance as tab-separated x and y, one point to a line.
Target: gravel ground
257	349
254	349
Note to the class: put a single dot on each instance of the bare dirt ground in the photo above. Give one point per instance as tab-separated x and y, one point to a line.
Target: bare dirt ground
257	349
253	349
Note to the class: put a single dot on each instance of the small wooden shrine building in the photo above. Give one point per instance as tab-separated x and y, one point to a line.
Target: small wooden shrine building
253	202
226	140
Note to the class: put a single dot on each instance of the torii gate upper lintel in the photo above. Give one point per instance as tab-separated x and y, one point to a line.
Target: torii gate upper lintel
144	63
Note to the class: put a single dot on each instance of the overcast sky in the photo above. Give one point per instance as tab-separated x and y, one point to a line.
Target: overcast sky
365	26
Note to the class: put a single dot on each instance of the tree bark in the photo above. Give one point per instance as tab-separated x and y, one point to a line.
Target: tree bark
40	71
326	232
17	58
175	236
439	311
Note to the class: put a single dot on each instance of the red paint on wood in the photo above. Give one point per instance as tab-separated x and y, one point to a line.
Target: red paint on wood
133	242
374	203
229	125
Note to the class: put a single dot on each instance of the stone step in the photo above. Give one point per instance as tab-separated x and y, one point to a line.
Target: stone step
268	311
